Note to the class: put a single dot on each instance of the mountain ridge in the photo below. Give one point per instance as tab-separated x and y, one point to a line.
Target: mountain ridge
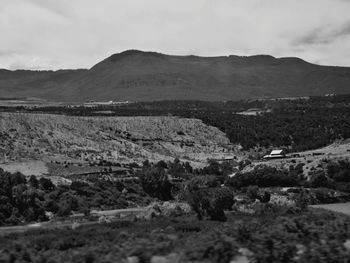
141	76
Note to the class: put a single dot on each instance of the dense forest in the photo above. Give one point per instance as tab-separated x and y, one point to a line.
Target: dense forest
296	124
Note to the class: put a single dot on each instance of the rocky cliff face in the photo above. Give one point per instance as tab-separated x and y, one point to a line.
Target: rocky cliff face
122	139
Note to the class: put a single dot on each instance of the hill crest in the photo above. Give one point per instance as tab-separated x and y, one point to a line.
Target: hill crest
146	76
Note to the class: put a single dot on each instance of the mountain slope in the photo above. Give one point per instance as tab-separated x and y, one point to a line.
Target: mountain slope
40	84
137	75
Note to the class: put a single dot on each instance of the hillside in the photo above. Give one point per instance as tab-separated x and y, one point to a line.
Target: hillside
48	138
40	84
137	75
311	160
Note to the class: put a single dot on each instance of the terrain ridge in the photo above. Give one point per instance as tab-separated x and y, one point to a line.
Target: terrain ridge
147	76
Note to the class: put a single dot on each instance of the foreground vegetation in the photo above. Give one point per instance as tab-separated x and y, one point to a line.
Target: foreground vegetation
31	200
274	236
209	191
268	225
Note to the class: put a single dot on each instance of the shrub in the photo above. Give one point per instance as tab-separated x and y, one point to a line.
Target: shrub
33	182
343	186
46	184
339	171
221	251
265	197
264	176
186	228
253	192
155	182
302	199
203	181
209	201
318	178
180	170
161	164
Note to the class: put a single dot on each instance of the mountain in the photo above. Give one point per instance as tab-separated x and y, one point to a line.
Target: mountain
138	75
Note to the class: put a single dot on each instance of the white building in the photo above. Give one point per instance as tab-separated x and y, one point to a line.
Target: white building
275	154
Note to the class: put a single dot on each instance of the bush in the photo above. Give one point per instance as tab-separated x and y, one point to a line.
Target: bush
67	203
318	178
343	187
264	176
253	192
155	182
339	171
221	251
265	197
180	170
46	184
220	199
301	200
271	210
209	201
203	181
33	182
186	228
161	164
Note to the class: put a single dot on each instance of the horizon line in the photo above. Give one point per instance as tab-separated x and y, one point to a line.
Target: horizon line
175	55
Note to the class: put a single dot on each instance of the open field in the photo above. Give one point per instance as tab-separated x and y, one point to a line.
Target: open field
37	168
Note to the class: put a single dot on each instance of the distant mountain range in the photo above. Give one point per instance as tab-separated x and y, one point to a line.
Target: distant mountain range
145	76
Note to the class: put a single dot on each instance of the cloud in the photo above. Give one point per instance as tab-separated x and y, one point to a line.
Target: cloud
324	35
32	63
345	30
60	8
80	33
4	53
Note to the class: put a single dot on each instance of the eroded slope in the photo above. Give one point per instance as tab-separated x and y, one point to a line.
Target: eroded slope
123	139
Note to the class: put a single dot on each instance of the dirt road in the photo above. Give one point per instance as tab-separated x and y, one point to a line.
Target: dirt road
121	213
343	208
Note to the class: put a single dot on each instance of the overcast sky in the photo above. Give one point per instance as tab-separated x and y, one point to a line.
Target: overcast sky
53	34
